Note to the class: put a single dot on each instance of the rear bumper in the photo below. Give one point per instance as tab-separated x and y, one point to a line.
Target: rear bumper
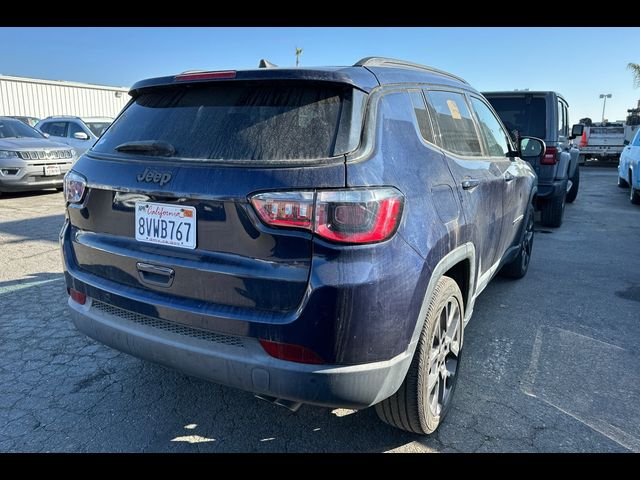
239	361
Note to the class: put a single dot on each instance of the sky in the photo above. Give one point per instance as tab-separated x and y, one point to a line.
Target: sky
579	63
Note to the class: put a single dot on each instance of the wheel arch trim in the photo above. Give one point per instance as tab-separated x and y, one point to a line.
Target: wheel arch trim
466	251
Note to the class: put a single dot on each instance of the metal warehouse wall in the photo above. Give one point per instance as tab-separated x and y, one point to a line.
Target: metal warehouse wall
43	98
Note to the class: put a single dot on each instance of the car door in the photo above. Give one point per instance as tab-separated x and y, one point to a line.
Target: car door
633	158
564	144
515	194
478	181
79	145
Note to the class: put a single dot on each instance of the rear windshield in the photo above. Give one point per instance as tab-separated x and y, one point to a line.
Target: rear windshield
238	121
525	114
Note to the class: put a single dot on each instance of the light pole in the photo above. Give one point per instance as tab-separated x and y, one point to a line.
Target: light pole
604	104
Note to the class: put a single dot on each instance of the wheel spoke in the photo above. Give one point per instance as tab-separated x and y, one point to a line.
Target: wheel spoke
454	323
455	347
433	396
432	379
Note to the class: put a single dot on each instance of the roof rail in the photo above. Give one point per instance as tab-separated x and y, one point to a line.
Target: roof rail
61	116
394	62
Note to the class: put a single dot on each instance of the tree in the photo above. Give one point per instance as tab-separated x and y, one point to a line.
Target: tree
298	53
635	69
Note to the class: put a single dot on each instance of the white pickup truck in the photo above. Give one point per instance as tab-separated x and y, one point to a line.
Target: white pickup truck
603	141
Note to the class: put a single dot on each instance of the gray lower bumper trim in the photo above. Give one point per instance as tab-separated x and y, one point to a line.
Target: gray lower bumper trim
243	364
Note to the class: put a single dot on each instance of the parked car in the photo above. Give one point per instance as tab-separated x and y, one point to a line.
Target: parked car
79	133
29	161
312	235
545	115
31	121
629	169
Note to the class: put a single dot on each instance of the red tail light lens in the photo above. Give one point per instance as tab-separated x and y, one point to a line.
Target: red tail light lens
285	209
549	157
290	352
77	296
345	216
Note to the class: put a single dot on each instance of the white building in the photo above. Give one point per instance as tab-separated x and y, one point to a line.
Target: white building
33	97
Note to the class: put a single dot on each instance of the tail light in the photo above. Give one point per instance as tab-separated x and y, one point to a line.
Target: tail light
344	216
290	352
549	157
74	187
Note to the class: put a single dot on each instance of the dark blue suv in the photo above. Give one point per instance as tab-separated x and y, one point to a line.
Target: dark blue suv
311	235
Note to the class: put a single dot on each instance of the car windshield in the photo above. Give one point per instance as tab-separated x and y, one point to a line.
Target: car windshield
235	121
11	128
98	128
526	114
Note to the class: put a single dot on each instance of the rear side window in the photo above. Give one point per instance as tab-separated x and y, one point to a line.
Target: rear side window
525	114
239	121
422	116
636	141
457	131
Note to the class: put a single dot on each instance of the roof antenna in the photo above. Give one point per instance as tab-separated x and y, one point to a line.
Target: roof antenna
266	64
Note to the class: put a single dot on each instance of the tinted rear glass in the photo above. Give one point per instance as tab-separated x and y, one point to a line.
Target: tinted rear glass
238	121
525	114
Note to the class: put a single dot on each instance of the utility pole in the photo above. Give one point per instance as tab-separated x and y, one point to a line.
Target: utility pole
298	53
604	103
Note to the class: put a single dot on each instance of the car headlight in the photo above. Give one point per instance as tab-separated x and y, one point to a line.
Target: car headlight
7	154
74	187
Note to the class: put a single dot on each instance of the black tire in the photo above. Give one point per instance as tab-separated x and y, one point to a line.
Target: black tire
409	408
634	196
575	185
519	266
552	210
622	183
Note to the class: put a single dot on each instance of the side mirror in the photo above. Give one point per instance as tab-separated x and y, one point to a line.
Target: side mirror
531	148
46	135
576	131
626	142
80	136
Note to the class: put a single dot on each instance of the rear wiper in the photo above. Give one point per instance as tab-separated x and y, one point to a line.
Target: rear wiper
154	147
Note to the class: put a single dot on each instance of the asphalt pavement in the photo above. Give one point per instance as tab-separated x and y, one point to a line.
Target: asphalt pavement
551	362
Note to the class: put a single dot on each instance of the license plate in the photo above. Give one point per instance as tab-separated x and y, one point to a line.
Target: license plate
51	170
166	224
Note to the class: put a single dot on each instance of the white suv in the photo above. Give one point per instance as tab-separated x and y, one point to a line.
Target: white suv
79	133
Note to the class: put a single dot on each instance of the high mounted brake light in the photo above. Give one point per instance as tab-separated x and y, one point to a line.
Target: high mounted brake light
205	75
344	216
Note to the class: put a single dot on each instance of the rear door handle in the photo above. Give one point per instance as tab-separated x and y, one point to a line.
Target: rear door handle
155	275
470	183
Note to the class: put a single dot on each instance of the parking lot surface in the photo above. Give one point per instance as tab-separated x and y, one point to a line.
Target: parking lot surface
551	362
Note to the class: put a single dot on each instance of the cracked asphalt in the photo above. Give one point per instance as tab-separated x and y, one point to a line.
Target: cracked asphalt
550	362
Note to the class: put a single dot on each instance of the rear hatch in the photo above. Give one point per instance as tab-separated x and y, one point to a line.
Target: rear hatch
527	115
192	153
